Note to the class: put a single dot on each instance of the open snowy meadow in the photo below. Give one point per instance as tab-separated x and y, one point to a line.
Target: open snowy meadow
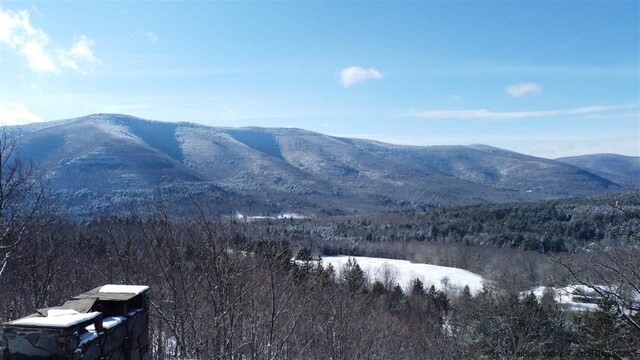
403	272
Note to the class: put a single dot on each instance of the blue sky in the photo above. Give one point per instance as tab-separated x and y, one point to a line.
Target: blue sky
544	78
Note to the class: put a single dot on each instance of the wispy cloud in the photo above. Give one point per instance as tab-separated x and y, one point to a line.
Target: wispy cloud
159	72
17	32
485	114
152	37
620	116
16	114
525	89
36	10
355	74
571	70
80	56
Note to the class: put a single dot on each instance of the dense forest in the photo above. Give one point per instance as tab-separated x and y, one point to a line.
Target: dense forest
545	226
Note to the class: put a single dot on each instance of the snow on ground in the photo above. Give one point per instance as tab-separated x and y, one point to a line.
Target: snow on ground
285	216
292	216
57	319
406	271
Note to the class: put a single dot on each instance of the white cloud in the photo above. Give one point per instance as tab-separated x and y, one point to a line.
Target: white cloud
16	114
80	56
484	114
37	58
152	37
525	89
355	74
17	32
455	97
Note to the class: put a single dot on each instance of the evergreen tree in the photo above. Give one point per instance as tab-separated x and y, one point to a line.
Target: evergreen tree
465	296
609	336
323	277
378	288
304	254
353	277
417	288
548	299
397	299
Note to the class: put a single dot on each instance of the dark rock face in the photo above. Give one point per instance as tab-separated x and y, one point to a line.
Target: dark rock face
120	331
104	163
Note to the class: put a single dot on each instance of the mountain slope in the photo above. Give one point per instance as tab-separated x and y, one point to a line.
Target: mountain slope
104	162
624	170
96	165
497	168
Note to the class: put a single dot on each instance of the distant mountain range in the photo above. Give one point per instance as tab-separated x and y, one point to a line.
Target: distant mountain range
106	162
624	170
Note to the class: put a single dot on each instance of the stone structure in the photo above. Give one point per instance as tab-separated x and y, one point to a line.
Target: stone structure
108	322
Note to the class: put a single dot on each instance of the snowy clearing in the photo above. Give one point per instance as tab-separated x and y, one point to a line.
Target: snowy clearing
404	272
285	216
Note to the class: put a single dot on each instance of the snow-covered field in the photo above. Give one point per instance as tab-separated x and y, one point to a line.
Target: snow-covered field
404	272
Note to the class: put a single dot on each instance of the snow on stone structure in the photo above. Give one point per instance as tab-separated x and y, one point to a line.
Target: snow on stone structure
124	289
108	322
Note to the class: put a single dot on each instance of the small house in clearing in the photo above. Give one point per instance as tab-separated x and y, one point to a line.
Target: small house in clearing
584	294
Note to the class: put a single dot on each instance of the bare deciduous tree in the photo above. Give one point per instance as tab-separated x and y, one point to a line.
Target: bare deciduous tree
22	201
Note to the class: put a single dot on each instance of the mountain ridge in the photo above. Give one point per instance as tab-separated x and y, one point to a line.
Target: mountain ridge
100	162
622	169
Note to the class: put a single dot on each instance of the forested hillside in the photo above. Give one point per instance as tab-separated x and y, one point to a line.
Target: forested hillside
547	226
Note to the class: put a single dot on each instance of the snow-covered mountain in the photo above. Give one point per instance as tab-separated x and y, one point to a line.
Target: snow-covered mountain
104	162
624	170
